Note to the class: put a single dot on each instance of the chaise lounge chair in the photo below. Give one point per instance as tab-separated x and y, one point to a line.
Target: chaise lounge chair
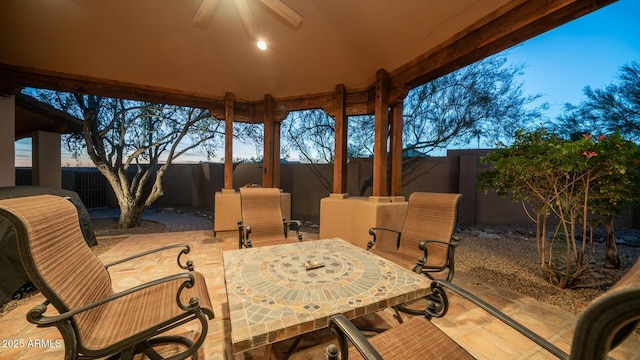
95	321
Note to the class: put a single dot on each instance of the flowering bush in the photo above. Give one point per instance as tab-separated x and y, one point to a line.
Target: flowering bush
570	180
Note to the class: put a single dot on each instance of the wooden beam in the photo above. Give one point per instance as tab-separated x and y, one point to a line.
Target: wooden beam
397	122
305	102
14	78
512	24
244	111
340	142
18	77
381	132
228	141
267	160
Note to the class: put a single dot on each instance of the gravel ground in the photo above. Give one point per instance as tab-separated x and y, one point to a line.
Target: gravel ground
506	256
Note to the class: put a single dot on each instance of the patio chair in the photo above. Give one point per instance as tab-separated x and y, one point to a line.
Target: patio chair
605	323
425	242
262	222
95	321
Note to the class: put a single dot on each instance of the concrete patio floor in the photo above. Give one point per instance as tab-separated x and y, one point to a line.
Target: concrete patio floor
483	336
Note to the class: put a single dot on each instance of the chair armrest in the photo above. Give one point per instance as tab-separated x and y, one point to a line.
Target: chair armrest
453	243
36	315
298	224
421	264
544	343
372	232
185	250
344	330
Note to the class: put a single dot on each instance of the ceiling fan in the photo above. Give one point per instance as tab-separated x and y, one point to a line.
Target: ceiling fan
283	11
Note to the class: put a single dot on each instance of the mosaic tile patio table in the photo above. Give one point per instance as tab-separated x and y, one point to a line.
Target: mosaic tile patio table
273	297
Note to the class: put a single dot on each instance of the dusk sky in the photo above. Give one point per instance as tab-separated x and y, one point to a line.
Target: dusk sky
587	51
559	64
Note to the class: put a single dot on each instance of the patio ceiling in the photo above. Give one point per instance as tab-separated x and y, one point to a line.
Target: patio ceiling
153	50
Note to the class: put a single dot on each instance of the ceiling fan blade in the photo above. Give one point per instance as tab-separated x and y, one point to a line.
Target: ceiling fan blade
205	11
247	18
284	11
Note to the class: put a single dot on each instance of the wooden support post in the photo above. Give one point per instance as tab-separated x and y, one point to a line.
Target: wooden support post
276	154
381	132
340	145
267	161
396	148
229	102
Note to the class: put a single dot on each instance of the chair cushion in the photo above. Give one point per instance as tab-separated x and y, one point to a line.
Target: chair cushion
273	240
403	259
416	338
137	312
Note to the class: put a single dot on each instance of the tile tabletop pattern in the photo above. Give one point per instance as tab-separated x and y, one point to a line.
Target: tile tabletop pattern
273	297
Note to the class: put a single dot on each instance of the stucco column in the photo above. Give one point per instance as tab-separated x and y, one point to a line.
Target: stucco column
46	160
8	141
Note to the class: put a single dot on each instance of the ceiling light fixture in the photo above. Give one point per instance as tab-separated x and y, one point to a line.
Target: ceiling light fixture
262	45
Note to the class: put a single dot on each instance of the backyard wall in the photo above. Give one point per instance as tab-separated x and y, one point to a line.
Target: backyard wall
195	185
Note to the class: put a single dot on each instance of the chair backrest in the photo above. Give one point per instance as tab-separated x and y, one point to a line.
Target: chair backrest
609	318
55	255
260	208
430	216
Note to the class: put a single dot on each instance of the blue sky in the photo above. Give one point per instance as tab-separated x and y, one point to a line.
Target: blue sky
586	51
559	63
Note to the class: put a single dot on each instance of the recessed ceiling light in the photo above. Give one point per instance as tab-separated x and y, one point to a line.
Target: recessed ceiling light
262	45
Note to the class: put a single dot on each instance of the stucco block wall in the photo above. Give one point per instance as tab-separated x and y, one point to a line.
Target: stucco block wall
351	218
195	186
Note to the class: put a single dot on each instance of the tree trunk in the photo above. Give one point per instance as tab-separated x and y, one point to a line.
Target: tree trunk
130	217
612	260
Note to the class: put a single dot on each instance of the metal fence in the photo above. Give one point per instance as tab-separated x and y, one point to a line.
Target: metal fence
92	187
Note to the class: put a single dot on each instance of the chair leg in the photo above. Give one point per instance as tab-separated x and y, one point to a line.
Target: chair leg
147	347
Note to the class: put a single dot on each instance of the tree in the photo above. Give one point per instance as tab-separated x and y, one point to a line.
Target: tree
482	100
311	133
615	107
122	135
570	179
618	158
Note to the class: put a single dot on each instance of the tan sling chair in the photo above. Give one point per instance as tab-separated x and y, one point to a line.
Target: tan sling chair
94	320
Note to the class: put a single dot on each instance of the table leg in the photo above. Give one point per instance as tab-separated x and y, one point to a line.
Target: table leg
292	348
